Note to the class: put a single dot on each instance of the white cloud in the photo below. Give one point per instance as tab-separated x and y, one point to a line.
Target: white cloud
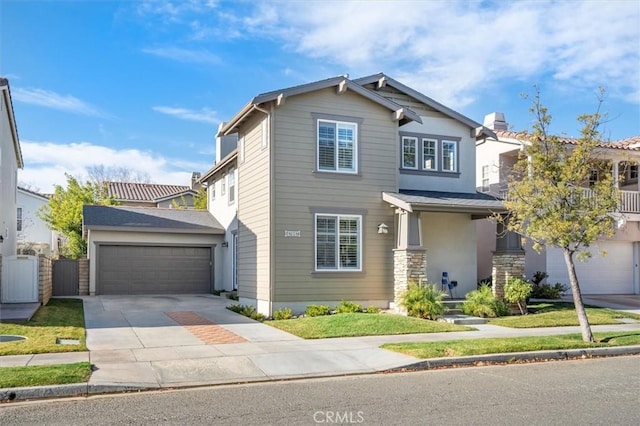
47	163
198	56
48	99
204	115
455	51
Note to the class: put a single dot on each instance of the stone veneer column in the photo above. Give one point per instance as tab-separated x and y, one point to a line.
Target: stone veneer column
506	264
83	276
45	271
408	265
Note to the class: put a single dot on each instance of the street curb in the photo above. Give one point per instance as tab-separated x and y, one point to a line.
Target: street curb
518	356
8	395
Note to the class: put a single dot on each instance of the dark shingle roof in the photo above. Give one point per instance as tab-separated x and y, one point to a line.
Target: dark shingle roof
147	218
475	202
149	192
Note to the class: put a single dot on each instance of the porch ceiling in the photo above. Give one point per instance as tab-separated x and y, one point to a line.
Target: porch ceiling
451	202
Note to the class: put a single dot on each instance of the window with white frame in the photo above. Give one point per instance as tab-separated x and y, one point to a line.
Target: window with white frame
409	152
429	154
449	156
337	146
223	185
485	178
232	186
213	190
19	217
338	242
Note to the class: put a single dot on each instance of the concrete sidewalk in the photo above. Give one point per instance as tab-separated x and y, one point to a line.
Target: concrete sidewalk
133	347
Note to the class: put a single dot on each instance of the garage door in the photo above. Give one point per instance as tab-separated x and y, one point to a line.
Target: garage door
153	270
610	274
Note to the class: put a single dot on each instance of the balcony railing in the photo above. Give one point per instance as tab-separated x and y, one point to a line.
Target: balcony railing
629	200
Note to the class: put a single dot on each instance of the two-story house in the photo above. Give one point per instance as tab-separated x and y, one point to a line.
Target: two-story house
614	272
346	189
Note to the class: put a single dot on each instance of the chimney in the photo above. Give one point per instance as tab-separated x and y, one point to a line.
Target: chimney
495	121
195	177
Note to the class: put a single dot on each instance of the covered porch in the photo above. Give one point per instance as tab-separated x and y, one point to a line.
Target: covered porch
436	234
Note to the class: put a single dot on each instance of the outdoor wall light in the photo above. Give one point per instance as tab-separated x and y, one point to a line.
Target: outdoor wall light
225	244
383	229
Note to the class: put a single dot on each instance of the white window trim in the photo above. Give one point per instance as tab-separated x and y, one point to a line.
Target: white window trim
455	157
231	177
338	268
337	169
415	155
223	185
436	162
484	178
19	219
213	190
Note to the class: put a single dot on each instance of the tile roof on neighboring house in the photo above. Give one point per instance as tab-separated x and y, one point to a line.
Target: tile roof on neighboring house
629	144
145	192
35	193
150	219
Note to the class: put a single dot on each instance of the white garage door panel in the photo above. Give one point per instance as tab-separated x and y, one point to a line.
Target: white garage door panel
610	274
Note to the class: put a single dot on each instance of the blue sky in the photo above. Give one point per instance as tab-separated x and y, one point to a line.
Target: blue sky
144	84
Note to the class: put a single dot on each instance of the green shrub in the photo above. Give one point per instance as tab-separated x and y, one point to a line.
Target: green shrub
482	303
548	291
517	290
247	311
346	307
423	301
372	310
282	314
317	310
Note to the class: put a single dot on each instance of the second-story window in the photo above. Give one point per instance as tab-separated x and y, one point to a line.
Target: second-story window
223	185
409	152
337	146
19	218
232	186
449	156
429	154
485	178
213	190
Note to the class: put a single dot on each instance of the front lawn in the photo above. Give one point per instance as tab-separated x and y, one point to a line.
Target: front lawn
40	375
59	319
453	348
361	324
558	314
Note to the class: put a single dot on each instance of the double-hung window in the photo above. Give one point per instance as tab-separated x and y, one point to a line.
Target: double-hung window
213	190
337	146
19	217
409	152
232	186
338	242
223	185
429	154
449	156
485	178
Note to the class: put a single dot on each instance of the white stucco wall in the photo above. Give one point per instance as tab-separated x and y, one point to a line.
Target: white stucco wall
34	230
97	237
450	240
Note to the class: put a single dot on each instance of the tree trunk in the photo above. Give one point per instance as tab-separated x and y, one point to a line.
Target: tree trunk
585	328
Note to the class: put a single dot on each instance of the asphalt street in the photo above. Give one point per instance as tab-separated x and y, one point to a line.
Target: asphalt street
582	392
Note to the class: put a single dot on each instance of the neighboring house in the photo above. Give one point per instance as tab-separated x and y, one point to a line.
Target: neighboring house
10	162
344	190
150	250
153	194
34	236
615	273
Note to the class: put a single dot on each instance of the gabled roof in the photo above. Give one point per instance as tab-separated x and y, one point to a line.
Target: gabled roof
6	99
629	144
381	79
150	219
146	192
402	113
219	165
45	197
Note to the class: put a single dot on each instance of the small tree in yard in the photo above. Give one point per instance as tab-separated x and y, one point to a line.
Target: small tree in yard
550	200
63	213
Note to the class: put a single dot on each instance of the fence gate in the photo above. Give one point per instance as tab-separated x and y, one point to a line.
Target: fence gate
20	279
65	277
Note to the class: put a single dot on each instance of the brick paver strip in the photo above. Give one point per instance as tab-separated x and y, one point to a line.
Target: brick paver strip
204	329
